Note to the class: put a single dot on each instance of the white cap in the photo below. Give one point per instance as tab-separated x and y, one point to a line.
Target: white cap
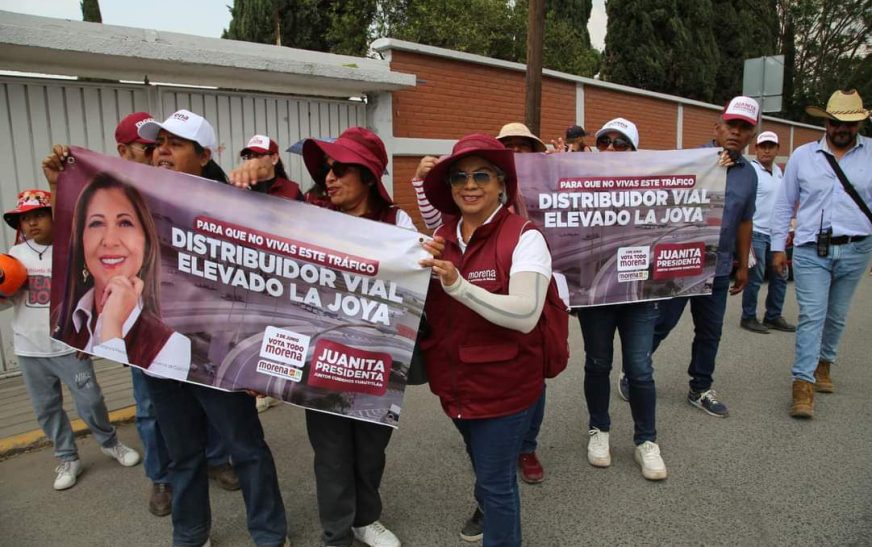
767	136
624	127
185	124
742	108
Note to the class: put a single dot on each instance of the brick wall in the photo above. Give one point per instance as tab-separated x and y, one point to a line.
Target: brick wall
655	118
698	126
455	98
802	135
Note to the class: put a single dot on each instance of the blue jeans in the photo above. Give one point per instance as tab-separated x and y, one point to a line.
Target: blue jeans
530	441
43	377
777	282
493	445
824	287
635	325
708	321
156	457
183	411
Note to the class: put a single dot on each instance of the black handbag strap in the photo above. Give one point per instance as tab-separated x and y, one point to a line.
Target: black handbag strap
849	188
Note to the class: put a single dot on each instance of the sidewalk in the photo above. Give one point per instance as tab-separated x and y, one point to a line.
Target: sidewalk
19	429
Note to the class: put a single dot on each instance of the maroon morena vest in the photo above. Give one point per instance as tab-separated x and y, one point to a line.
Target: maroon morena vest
478	369
285	188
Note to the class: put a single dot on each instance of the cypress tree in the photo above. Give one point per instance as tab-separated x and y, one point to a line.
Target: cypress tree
662	45
91	11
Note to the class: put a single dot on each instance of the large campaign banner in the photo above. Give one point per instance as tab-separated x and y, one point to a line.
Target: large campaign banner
202	282
627	227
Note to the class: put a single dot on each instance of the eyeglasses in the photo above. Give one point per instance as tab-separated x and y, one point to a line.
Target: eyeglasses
460	178
251	155
619	144
339	169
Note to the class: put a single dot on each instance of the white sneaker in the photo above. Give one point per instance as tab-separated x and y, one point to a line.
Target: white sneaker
598	448
264	403
648	458
125	455
67	473
376	535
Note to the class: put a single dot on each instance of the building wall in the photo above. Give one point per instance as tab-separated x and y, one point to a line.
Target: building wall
455	98
655	118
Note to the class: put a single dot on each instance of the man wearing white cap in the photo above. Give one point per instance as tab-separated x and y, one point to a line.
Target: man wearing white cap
733	131
769	177
829	185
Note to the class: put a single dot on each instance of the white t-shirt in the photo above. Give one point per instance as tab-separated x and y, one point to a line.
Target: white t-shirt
30	321
530	255
405	221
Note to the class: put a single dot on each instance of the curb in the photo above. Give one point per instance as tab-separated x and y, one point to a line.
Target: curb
31	440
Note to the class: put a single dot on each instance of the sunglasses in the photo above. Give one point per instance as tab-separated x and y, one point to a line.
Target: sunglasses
618	144
339	169
148	149
840	123
251	155
460	178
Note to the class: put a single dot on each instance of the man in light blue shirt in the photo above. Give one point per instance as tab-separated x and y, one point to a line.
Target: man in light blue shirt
832	243
769	177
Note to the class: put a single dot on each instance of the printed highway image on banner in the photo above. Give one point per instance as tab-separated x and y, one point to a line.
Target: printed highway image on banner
627	227
202	282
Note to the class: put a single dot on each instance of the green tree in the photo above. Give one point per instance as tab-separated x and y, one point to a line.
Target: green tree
91	11
254	21
742	31
662	45
826	46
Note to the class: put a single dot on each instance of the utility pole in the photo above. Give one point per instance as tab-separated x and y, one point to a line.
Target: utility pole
533	83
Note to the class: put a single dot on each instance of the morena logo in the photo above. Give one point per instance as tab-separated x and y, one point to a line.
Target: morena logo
140	122
180	116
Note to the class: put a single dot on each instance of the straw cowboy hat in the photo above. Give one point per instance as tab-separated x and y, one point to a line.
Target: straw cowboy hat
844	106
517	129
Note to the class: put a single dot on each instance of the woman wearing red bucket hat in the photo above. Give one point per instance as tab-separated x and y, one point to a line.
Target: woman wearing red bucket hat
484	356
350	454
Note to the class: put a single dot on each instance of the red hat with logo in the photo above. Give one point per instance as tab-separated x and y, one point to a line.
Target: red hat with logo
741	108
356	146
260	144
436	185
28	200
127	130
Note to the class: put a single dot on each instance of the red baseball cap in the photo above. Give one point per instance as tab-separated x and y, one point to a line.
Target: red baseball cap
357	146
260	144
127	130
436	185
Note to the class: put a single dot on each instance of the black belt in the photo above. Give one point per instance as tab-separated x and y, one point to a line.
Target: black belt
841	240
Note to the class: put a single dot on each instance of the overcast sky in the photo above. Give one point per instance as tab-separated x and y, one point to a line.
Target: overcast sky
201	17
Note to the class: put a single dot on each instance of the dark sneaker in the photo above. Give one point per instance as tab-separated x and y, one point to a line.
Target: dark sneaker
624	387
531	470
225	476
753	325
779	323
473	530
160	504
707	402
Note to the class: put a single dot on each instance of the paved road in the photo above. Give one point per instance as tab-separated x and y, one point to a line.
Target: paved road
755	478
